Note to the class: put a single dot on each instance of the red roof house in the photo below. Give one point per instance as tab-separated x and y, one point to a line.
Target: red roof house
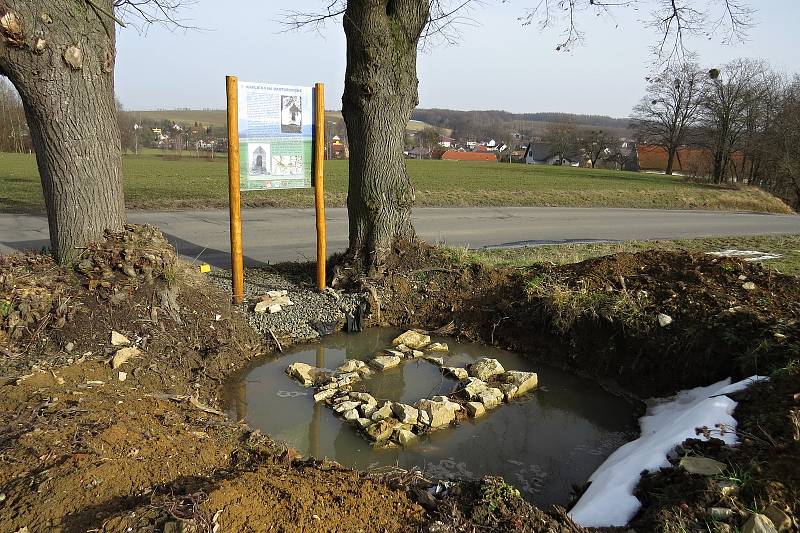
455	155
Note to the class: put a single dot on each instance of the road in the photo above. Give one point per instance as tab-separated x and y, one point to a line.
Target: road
275	235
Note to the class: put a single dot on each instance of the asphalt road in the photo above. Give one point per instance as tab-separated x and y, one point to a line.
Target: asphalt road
275	235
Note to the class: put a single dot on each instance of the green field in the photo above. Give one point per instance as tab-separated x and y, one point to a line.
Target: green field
154	180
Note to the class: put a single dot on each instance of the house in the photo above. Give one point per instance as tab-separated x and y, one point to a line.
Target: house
539	153
454	155
689	160
445	141
419	152
471	145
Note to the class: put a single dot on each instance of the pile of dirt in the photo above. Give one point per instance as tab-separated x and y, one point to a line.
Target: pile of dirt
142	447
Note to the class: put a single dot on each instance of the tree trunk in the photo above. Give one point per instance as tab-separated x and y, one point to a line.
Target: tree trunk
380	92
671	151
60	57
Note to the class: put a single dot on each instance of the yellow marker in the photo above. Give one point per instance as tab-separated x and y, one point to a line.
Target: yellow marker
205	268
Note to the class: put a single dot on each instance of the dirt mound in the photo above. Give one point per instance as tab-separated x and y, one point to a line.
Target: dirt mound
141	447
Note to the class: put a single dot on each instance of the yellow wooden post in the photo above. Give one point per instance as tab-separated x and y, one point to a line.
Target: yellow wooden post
237	262
319	182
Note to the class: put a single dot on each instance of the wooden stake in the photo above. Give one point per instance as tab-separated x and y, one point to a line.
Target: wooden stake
319	182
237	261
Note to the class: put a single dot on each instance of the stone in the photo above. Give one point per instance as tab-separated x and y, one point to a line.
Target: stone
381	412
405	413
363	422
404	437
475	409
345	406
350	365
367	409
491	397
272	305
412	339
664	320
523	381
123	355
509	391
382	429
364	397
778	517
727	488
455	372
758	523
424	418
122	376
69	346
485	368
438	347
403	348
702	465
365	372
749	286
324	395
304	373
469	388
438	414
720	514
438	361
383	362
417	353
118	339
397	353
351	376
351	415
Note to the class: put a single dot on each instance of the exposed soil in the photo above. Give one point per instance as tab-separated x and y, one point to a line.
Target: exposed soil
81	450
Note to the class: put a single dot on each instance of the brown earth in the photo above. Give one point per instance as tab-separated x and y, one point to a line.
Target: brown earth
82	450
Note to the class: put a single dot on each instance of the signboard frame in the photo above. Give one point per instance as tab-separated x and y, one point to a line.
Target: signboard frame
235	176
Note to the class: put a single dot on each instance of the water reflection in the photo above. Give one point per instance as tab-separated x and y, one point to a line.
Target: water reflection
543	444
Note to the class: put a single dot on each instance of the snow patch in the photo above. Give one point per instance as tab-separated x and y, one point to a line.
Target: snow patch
609	500
747	255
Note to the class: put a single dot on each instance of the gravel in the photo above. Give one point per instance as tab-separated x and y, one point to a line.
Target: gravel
313	312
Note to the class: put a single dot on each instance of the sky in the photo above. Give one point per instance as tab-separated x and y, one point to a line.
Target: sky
497	63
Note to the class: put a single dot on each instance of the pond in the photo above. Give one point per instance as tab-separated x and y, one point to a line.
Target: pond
543	442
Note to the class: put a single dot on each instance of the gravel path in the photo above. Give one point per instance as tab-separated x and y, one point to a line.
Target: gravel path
313	312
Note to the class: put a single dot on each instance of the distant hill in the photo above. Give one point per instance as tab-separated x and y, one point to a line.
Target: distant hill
500	124
216	118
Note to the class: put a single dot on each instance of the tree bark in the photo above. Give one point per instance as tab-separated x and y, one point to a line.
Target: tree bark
671	151
380	92
62	63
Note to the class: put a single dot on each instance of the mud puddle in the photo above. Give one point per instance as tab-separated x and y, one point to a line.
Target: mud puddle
543	443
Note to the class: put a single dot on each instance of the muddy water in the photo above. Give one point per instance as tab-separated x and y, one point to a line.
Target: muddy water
544	443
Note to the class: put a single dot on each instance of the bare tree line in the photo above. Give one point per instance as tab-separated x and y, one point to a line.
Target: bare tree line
741	116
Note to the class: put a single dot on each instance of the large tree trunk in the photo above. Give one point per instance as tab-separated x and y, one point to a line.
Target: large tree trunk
60	57
380	92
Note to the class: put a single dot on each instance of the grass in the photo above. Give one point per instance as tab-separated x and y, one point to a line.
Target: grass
153	180
786	245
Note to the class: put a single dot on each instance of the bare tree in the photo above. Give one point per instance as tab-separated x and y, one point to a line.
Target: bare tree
670	108
562	138
730	94
13	129
597	143
60	56
381	90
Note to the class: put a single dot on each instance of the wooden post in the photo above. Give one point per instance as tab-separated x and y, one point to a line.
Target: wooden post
319	182
237	262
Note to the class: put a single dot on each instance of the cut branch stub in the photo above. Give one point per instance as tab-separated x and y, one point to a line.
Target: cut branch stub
11	28
73	56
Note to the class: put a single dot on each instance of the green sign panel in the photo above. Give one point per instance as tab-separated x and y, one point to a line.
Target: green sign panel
275	136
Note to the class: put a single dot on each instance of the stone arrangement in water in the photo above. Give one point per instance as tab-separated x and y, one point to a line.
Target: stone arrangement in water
481	386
